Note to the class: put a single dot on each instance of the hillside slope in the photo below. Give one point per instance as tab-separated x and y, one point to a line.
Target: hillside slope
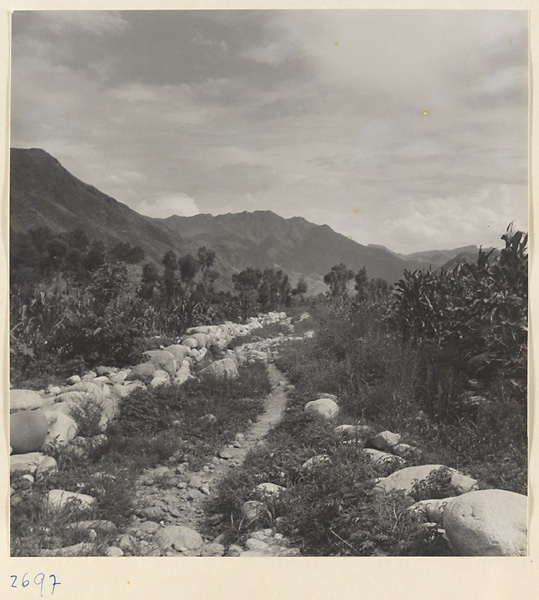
44	193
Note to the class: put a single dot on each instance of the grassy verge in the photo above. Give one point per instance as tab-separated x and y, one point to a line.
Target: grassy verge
165	425
382	382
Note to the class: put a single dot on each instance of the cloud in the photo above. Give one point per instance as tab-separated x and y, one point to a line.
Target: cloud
310	113
88	21
166	206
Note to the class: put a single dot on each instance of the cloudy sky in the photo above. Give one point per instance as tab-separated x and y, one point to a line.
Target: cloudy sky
402	128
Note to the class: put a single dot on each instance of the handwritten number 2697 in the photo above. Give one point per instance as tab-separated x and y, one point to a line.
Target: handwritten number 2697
39	580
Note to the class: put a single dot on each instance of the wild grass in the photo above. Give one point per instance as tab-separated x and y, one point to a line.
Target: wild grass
164	425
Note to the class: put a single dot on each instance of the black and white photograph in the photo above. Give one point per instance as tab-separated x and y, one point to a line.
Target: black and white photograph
268	283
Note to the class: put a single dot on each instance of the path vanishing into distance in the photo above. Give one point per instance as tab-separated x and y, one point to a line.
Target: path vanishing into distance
179	501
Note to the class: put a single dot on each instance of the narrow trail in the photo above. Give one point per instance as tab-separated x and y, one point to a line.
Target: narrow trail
174	496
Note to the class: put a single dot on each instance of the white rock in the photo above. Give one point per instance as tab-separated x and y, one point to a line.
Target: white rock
385	440
178	537
315	461
380	458
47	466
405	479
253	510
220	369
325	407
73	379
61	498
62	429
487	523
27	400
431	510
25	463
271	489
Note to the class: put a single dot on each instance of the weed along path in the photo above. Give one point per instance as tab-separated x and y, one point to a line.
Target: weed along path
171	516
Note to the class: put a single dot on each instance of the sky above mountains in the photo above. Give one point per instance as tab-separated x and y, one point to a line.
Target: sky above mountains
402	128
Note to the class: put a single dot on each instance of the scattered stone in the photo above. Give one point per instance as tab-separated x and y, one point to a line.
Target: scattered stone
212	549
126	542
234	550
144	372
315	461
254	544
62	429
25	463
114	551
26	400
162	359
225	368
385	440
406	451
61	498
379	458
271	489
354	432
230	453
325	407
195	481
405	479
73	380
46	467
148	527
253	510
487	523
99	524
81	549
178	537
431	510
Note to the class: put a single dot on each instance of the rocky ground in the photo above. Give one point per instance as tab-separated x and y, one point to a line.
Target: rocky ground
171	501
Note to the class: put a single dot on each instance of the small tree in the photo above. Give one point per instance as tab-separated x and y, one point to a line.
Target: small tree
337	280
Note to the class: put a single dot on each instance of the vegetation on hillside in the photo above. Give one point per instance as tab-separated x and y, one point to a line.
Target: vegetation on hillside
441	359
74	303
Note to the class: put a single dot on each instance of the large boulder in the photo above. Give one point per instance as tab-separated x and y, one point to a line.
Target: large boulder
162	359
26	400
487	523
62	428
406	479
28	430
144	372
221	369
324	407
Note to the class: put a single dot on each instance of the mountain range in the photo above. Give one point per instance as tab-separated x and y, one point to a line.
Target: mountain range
44	193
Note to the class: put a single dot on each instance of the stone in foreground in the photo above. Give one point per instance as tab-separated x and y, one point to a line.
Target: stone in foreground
220	369
487	523
325	407
28	430
178	537
405	479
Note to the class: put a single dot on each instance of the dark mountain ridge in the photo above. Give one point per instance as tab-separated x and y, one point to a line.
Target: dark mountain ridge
44	193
